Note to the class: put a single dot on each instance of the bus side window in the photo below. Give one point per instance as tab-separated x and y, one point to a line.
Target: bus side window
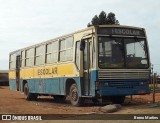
77	54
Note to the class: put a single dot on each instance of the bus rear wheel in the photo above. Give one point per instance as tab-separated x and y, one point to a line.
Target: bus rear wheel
29	96
74	96
117	99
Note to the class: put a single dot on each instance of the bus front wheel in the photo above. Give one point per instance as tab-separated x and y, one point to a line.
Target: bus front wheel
74	96
28	95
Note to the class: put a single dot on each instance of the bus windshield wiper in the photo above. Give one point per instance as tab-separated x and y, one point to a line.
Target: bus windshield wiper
142	45
137	40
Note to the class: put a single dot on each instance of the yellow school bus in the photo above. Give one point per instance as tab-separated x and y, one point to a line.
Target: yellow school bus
99	62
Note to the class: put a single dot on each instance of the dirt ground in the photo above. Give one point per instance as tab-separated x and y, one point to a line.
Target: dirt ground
13	102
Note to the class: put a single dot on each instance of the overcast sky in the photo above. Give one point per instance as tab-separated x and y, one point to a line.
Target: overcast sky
27	22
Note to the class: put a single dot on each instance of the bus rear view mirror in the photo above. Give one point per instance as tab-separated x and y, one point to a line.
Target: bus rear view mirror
82	45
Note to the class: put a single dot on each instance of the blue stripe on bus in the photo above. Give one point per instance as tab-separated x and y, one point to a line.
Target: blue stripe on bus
12	84
94	78
46	85
54	85
110	91
57	86
122	87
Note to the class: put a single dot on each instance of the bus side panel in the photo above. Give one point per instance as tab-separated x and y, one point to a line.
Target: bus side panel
12	84
39	86
31	85
46	86
93	79
57	85
61	86
52	86
49	85
12	80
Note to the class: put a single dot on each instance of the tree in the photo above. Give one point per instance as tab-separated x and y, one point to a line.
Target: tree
95	20
111	19
104	19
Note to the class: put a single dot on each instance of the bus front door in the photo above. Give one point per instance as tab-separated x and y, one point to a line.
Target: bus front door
86	67
17	71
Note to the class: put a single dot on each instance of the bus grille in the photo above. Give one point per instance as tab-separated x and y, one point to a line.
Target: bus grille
124	84
103	74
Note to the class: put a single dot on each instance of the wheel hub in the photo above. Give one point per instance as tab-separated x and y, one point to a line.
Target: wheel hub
74	95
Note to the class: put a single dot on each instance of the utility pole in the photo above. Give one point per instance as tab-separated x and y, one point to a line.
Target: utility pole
156	81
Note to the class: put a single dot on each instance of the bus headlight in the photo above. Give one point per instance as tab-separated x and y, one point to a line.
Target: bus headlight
101	83
97	85
141	83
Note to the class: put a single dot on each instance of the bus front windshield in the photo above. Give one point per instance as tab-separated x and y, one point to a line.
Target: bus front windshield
122	53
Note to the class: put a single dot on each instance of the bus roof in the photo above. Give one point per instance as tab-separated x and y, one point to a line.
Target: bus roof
67	35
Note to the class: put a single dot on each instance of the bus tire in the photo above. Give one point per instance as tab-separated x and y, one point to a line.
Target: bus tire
117	99
74	96
29	96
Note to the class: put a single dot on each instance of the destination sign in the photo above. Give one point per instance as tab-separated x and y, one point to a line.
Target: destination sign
120	31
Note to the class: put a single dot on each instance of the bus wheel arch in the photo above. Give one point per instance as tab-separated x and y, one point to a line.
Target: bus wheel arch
28	96
24	82
69	83
72	89
74	97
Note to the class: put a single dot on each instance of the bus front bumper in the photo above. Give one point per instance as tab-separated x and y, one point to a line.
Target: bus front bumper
112	91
